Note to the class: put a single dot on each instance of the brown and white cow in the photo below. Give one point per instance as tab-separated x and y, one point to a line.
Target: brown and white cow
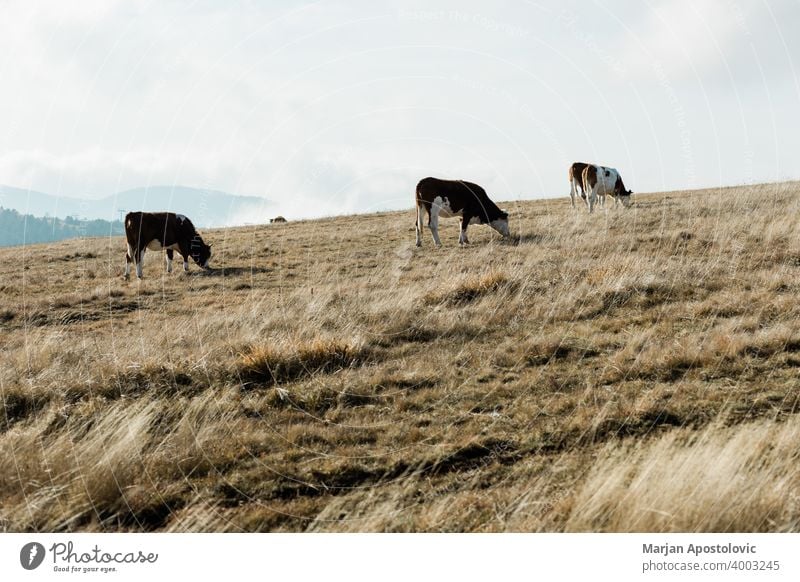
599	181
448	198
163	231
575	177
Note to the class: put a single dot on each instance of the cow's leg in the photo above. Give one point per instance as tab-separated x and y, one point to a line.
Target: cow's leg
591	199
572	192
433	224
462	239
138	258
128	260
169	256
418	224
186	251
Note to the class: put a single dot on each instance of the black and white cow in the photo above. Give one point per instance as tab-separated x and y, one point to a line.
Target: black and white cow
448	198
575	177
598	181
163	231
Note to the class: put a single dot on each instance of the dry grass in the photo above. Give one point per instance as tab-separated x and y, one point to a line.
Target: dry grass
627	371
266	365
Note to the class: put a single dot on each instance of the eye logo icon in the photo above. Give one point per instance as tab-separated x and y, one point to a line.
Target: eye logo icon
31	555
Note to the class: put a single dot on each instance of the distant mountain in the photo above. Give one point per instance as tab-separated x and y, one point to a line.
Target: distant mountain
19	229
206	208
37	203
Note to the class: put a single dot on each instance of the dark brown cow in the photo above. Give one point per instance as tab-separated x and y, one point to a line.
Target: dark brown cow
599	181
163	231
575	177
456	198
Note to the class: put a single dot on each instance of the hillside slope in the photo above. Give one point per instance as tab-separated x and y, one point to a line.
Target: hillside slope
626	371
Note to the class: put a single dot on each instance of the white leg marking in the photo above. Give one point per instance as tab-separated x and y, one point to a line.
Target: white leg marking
169	264
185	266
434	225
572	191
591	199
139	265
127	263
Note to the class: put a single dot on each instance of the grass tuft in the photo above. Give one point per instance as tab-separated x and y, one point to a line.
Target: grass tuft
470	290
267	365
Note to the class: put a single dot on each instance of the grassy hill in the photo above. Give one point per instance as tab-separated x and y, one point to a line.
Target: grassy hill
626	371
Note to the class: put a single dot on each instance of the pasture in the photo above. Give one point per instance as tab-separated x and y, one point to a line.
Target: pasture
632	370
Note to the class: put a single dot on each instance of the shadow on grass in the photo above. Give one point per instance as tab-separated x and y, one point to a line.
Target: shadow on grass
522	239
232	271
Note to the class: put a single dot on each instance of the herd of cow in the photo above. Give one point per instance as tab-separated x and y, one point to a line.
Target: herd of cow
175	232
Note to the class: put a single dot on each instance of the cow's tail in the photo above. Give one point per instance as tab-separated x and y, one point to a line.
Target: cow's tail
418	222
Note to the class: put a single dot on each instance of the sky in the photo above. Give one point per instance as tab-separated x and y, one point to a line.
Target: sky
342	106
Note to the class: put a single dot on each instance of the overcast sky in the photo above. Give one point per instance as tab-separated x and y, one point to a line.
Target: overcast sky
342	106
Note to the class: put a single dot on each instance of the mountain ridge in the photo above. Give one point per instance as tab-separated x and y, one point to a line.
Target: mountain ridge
207	207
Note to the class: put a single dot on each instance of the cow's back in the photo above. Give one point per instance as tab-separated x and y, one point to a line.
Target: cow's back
143	227
429	188
607	179
602	178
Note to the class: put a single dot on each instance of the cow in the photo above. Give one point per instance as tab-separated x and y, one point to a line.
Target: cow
448	198
277	219
163	231
599	181
575	177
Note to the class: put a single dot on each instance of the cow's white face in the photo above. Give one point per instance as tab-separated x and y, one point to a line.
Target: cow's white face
501	226
208	258
625	198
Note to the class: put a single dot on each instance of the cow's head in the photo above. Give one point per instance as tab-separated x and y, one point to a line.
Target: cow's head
500	224
625	198
201	252
621	193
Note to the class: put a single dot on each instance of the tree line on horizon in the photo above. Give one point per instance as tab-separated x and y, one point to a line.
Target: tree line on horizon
19	229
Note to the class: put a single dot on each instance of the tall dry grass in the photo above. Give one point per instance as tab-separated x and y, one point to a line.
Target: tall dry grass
328	375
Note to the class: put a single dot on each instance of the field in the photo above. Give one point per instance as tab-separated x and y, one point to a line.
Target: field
632	370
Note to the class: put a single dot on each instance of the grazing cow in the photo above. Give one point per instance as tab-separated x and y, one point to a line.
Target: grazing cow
163	231
277	219
456	198
575	177
599	181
